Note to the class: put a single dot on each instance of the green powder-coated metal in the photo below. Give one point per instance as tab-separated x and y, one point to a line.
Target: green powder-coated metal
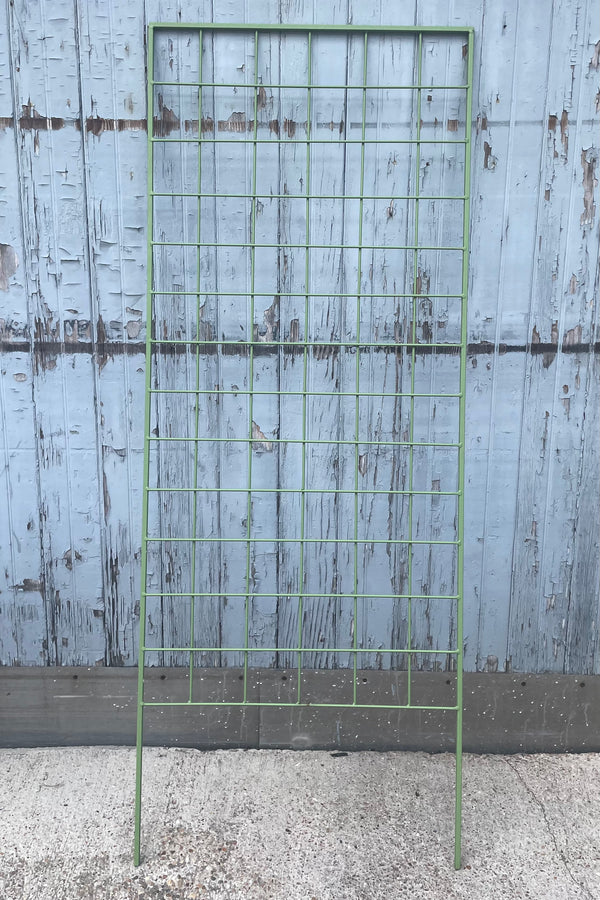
251	380
461	459
196	438
144	560
408	348
304	366
256	393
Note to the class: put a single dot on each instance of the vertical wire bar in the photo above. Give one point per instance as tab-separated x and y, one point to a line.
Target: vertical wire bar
280	554
196	547
146	475
251	372
411	427
304	368
461	459
357	352
213	157
219	415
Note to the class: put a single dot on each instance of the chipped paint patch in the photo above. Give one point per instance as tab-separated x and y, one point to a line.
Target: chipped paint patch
133	328
260	442
489	160
31	120
30	584
564	132
9	263
236	122
70	556
589	158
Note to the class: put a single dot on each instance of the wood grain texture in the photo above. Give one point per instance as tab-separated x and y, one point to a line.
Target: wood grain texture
72	326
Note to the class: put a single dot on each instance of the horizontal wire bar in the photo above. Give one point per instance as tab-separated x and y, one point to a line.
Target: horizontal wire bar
233	393
305	704
319	441
257	85
403	650
256	490
166	539
326	142
458	30
305	295
287	594
285	246
396	345
258	196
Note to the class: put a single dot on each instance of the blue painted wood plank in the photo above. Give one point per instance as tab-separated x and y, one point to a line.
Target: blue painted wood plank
57	282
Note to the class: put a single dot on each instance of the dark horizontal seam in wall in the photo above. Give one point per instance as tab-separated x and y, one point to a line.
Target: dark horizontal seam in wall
486	347
94	124
119	348
97	124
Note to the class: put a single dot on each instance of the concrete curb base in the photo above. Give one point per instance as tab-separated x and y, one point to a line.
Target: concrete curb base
503	713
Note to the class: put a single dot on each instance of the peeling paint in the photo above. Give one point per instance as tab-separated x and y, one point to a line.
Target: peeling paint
236	122
489	160
269	331
564	132
589	158
549	354
96	125
9	263
166	121
423	281
133	328
30	584
572	337
260	442
294	334
261	98
31	120
105	496
69	556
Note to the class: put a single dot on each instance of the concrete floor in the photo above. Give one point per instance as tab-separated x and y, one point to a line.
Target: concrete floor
283	825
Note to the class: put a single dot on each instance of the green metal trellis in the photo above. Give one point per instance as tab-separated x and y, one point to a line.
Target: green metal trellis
396	294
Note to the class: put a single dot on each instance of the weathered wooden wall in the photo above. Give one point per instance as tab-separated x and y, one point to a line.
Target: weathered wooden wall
72	283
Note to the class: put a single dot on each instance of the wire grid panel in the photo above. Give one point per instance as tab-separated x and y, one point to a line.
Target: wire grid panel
308	249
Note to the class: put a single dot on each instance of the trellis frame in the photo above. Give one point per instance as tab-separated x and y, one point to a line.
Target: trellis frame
412	347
